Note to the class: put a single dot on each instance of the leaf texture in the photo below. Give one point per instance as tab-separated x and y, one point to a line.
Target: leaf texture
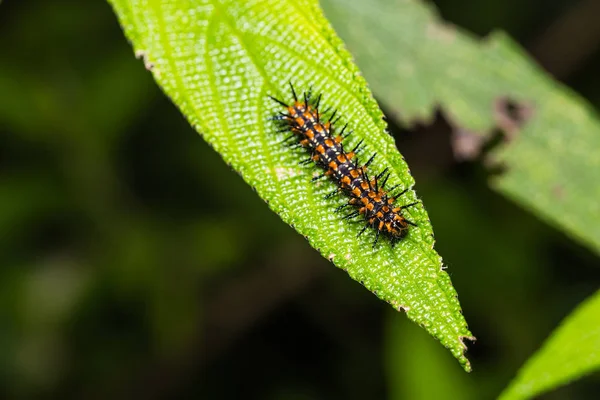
417	63
219	60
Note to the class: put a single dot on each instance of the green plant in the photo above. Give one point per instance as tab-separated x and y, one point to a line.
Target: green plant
218	61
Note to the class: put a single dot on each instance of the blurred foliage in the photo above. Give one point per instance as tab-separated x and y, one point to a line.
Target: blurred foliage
113	285
551	155
571	351
219	61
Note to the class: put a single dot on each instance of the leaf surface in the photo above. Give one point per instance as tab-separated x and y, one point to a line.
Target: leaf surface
572	350
416	63
219	61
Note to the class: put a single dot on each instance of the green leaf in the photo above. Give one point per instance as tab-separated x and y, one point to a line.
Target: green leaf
572	350
416	63
219	61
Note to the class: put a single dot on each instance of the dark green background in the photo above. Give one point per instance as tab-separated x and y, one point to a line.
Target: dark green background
135	263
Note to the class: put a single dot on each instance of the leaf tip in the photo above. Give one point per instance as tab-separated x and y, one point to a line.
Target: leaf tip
464	361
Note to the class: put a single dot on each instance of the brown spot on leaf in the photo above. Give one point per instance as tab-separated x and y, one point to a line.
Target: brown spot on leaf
559	192
511	116
144	56
466	145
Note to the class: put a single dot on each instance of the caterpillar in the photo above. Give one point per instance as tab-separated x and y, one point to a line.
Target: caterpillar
368	196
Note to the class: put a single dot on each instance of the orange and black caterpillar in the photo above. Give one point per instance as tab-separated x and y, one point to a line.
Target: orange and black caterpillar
368	196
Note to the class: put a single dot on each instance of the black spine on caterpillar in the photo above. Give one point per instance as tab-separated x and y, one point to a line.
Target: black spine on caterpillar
369	197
